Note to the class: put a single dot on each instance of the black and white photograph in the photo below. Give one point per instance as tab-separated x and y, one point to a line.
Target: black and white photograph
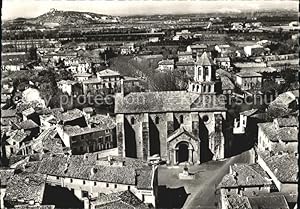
149	104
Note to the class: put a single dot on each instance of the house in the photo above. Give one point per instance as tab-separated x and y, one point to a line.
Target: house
282	168
5	176
9	116
249	80
122	199
196	49
286	102
82	76
244	179
86	140
71	117
168	124
14	142
222	48
30	114
279	135
166	65
185	57
109	77
272	200
228	86
240	124
28	126
33	184
153	39
222	62
249	64
256	50
89	176
127	48
70	87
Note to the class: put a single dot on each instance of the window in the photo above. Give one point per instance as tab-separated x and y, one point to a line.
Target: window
132	121
71	180
100	140
181	119
157	120
95	183
116	186
57	177
83	182
128	187
85	194
107	139
81	149
107	185
205	118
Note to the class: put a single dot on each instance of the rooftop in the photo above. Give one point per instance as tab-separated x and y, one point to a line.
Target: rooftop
26	187
103	121
124	200
89	166
222	59
283	166
5	175
249	64
204	60
166	62
245	175
70	115
107	72
8	113
167	101
247	74
265	202
27	124
78	131
276	134
66	82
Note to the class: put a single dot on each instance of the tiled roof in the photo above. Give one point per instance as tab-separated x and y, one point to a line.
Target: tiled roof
17	136
103	121
8	113
244	175
5	175
227	83
245	74
119	170
25	186
28	111
27	124
166	62
236	201
249	112
83	75
34	206
143	178
70	115
287	122
108	72
259	69
222	59
284	166
164	101
204	60
198	46
67	82
285	134
284	99
266	202
77	130
249	64
118	200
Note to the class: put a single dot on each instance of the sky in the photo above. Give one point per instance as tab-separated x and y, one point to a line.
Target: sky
32	8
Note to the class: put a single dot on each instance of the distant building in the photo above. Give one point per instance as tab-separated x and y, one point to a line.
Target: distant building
249	81
70	87
196	49
99	176
82	76
166	65
255	50
282	168
222	62
279	135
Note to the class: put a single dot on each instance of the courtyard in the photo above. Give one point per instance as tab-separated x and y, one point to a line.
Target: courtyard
198	192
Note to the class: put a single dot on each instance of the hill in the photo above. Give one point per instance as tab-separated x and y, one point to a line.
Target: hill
73	17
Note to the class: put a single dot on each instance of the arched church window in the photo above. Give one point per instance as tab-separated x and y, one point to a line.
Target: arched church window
181	119
132	121
157	120
208	88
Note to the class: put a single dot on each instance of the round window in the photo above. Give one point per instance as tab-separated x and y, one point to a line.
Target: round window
205	118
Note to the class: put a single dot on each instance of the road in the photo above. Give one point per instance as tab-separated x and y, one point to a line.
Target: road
200	192
205	197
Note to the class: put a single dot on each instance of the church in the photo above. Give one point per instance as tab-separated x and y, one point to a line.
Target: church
180	126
